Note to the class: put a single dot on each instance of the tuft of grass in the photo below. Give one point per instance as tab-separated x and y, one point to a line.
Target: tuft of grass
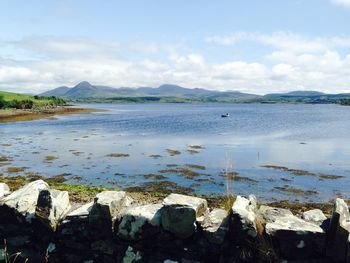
4	163
234	176
3	159
49	158
155	156
173	152
196	147
185	172
295	191
196	166
191	151
263	246
118	155
154	176
172	165
80	193
229	200
12	258
330	176
58	179
15	169
296	172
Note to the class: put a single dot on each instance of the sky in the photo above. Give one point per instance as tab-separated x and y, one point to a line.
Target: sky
252	46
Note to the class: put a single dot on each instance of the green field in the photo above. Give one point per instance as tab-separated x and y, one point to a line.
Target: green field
9	100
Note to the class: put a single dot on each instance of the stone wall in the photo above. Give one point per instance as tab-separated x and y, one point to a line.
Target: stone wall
43	226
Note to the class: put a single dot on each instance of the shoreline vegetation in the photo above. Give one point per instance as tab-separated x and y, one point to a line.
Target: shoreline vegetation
82	193
21	107
13	115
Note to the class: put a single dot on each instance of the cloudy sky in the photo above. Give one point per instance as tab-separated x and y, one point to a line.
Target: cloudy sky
248	45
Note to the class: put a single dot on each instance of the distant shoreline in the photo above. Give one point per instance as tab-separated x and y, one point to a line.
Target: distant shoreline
13	115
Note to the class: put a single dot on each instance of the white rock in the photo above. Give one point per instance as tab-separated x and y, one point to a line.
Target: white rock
81	211
215	225
140	222
244	216
4	190
116	201
292	223
314	216
198	204
270	214
24	199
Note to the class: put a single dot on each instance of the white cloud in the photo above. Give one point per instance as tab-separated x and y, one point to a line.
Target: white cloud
284	41
295	62
341	2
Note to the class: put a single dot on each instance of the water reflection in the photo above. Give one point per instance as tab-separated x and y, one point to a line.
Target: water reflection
308	137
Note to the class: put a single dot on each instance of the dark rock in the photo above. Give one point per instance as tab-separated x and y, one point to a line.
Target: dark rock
294	238
338	233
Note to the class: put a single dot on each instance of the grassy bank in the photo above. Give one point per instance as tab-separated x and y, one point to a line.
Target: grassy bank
22	107
10	100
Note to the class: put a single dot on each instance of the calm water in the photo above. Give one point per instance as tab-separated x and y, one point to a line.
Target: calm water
315	138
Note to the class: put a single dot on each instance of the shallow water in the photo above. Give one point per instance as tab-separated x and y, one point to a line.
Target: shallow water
308	137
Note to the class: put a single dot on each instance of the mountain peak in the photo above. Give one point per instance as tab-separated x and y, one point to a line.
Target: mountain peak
83	84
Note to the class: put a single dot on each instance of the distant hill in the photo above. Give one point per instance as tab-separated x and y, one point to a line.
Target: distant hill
298	93
84	91
167	92
304	97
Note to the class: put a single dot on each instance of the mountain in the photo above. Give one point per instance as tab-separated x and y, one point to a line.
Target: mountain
58	92
84	91
304	97
167	92
297	93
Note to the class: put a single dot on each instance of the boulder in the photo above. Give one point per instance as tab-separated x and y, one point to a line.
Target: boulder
270	214
338	233
315	216
24	200
139	222
107	206
180	212
294	238
52	206
4	190
198	204
215	226
81	211
179	220
243	225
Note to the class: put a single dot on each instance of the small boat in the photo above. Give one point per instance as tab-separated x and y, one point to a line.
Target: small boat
225	115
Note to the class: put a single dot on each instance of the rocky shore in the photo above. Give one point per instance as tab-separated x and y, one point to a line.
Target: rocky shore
40	224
